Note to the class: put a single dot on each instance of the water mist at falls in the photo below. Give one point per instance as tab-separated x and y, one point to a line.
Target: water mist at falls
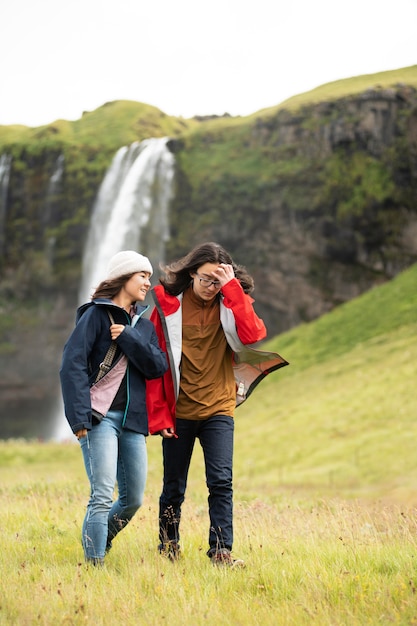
130	213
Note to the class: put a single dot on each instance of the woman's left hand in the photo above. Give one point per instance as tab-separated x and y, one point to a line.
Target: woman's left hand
224	273
116	330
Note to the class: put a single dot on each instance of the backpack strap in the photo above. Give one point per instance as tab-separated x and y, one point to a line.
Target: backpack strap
108	359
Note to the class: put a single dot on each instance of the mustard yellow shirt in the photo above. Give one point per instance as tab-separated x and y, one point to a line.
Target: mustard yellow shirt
207	384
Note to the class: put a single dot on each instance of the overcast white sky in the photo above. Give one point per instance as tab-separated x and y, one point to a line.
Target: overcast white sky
188	57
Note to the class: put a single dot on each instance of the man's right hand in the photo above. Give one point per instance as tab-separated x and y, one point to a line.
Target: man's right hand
168	433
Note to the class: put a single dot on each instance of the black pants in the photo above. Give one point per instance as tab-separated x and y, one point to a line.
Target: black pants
216	439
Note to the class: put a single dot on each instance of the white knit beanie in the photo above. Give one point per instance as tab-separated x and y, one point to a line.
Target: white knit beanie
127	262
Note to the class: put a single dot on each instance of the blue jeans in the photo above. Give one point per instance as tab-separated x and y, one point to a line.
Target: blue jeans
216	439
111	454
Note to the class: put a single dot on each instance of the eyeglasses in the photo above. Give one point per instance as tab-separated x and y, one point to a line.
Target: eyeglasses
207	282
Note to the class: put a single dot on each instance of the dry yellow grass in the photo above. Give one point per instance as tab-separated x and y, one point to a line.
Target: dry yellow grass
309	560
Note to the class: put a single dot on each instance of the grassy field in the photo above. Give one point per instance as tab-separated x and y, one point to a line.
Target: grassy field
325	498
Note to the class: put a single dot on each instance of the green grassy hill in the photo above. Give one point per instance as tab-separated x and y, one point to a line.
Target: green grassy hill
342	418
111	126
349	87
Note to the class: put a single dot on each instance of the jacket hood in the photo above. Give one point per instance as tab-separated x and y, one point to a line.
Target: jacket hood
139	309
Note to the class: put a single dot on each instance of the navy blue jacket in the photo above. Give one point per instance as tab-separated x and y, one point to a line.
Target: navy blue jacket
86	349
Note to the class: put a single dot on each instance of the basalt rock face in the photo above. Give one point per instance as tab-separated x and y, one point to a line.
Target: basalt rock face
320	205
333	211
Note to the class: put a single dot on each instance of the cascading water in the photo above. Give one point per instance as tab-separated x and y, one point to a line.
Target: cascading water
5	165
51	200
53	188
131	210
130	213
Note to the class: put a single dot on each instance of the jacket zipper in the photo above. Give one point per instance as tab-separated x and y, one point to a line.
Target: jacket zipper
128	374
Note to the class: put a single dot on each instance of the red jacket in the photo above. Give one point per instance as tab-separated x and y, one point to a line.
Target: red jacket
241	326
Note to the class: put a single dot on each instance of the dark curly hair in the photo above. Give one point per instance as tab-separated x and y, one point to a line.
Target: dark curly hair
177	274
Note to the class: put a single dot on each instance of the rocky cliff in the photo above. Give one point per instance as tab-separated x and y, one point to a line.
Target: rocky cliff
327	209
319	202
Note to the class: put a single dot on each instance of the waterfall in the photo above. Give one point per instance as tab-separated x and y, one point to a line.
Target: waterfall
131	210
5	165
51	200
130	213
53	188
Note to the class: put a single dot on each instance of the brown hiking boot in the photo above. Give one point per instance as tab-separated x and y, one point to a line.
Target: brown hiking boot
223	557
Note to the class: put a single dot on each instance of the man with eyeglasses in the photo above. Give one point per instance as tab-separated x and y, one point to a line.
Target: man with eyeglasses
205	321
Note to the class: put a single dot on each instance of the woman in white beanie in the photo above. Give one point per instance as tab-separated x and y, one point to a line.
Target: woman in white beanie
107	359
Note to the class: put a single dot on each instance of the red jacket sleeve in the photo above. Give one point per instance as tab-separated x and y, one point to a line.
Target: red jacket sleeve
160	396
250	327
